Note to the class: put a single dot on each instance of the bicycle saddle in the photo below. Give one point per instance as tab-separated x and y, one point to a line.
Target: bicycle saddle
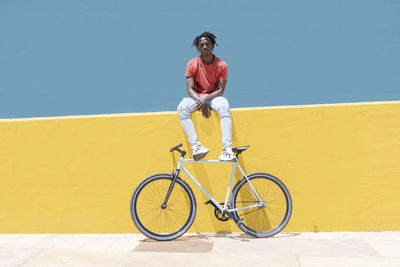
240	149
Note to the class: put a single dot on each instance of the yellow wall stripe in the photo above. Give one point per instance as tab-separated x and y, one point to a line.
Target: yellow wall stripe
76	174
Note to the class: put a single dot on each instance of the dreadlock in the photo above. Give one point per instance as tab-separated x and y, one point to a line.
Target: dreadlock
208	35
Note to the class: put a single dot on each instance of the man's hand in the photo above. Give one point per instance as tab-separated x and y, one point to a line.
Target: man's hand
206	112
201	103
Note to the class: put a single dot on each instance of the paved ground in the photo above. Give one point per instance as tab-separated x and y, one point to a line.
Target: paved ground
222	249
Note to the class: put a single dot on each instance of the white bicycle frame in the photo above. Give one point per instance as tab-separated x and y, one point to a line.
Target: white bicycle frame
223	209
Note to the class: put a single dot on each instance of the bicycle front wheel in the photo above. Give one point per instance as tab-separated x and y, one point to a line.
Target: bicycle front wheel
163	223
262	221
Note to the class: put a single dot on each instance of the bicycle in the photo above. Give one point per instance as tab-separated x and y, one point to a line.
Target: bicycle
163	206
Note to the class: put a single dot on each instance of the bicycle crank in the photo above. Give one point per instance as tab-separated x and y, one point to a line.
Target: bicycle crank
223	217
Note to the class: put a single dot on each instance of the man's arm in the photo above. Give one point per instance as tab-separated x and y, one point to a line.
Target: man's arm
200	105
190	88
220	90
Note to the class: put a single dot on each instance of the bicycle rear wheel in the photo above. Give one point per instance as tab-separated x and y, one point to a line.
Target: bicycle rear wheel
163	223
262	221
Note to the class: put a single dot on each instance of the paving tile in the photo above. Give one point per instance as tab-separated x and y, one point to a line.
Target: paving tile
17	256
101	242
182	246
24	240
374	235
214	235
76	258
51	240
207	259
128	242
7	238
74	241
386	248
298	247
370	235
348	262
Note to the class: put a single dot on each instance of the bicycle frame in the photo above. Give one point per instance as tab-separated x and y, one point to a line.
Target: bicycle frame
216	204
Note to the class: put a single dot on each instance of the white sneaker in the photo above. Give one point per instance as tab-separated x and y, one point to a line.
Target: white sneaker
199	152
227	154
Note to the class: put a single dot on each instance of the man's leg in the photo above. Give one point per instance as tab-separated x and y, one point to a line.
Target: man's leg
187	106
221	105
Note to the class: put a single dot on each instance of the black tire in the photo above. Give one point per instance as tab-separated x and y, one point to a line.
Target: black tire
266	221
155	222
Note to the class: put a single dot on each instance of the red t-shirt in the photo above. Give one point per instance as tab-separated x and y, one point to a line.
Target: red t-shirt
206	76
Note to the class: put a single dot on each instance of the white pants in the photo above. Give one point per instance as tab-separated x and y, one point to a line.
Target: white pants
220	104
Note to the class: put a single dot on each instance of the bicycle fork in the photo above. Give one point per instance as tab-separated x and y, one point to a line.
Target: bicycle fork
171	186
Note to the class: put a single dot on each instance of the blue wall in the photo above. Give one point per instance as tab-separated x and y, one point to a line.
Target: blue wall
80	57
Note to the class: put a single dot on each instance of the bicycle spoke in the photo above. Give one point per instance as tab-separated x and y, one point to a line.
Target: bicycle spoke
240	215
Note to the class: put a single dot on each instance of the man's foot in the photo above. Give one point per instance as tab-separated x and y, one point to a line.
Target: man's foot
199	152
227	154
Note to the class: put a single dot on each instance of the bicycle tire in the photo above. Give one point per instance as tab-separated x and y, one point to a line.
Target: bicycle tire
266	221
157	223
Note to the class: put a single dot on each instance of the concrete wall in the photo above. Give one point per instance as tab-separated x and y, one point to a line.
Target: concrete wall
76	174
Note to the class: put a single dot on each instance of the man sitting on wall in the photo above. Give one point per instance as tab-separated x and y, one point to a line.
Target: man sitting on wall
206	77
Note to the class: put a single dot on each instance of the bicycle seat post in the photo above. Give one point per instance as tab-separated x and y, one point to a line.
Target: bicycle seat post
183	152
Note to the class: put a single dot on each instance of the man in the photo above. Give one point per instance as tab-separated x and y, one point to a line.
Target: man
206	77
